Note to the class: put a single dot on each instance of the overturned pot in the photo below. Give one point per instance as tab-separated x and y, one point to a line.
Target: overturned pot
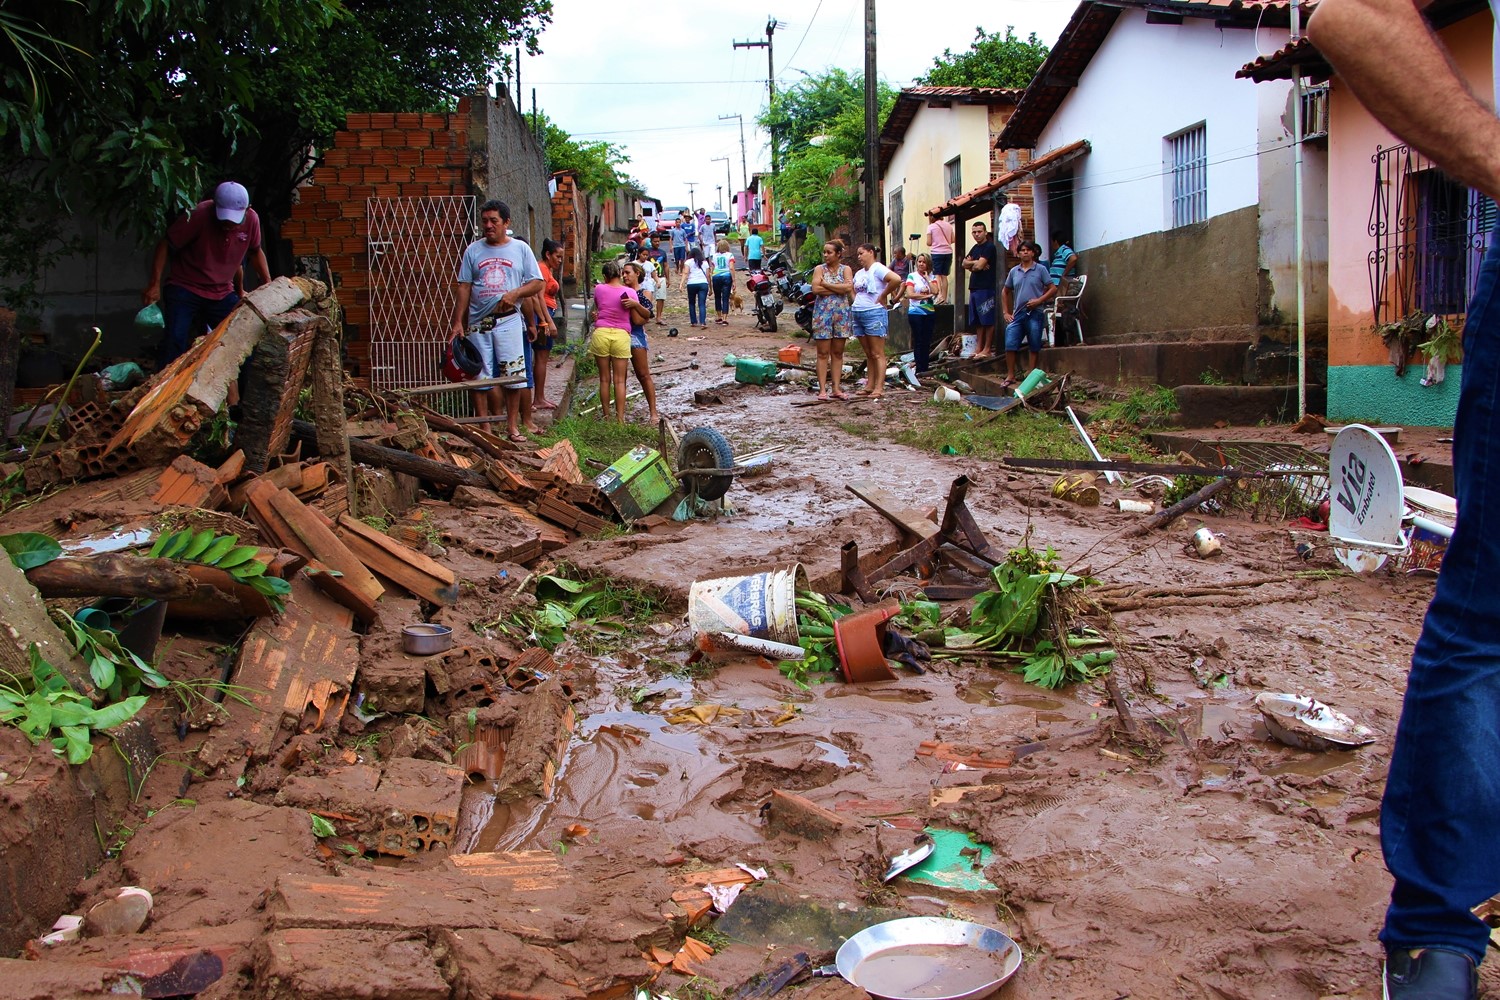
425	638
861	643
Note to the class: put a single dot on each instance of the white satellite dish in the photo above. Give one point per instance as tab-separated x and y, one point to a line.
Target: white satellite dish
1366	499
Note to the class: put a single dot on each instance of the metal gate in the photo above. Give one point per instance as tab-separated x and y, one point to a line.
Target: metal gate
415	245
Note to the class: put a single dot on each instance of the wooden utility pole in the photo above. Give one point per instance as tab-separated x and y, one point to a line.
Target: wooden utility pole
771	27
872	131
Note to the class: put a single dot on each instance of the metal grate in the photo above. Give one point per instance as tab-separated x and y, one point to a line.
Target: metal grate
1187	158
415	245
1430	236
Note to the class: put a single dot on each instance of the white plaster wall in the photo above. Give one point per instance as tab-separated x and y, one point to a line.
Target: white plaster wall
935	136
1146	82
1278	211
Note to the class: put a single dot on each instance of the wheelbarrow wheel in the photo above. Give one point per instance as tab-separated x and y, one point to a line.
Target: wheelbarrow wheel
706	448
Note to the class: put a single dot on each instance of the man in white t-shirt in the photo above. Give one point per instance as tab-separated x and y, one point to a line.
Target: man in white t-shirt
1442	794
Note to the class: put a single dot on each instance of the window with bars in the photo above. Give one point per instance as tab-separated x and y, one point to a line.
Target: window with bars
1430	234
953	177
1187	166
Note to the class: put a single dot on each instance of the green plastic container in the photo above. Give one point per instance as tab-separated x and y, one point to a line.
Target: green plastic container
1035	380
753	371
638	482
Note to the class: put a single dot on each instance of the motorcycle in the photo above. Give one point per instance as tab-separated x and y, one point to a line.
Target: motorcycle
791	287
767	306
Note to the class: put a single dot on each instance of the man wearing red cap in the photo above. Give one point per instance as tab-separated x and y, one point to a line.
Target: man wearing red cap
207	248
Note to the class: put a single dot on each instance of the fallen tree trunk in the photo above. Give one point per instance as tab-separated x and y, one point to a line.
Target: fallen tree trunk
397	460
112	574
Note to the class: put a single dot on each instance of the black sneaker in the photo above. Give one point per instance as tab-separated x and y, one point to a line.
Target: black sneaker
1430	974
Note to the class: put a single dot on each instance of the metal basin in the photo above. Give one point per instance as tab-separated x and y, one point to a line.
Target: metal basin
928	958
425	639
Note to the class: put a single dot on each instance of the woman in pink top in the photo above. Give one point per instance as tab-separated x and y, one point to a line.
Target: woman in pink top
940	241
616	309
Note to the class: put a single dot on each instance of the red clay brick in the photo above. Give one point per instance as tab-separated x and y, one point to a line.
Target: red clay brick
408	120
352	208
336	157
343	140
356	122
435	120
339	265
315	229
387	190
324	210
341	227
385	157
361	157
400	174
391	137
293	229
374	175
307	194
367	140
361	192
425	175
336	192
419	139
382	119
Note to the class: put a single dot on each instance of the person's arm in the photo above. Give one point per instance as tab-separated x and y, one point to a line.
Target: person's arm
152	292
461	308
259	263
638	313
1379	47
1007	299
891	293
819	286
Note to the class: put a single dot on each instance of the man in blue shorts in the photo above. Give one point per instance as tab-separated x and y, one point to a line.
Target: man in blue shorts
679	244
980	263
1022	298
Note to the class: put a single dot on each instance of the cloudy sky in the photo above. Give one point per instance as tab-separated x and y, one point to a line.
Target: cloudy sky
655	77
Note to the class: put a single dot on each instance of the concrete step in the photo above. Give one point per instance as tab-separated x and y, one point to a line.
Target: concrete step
1153	363
1208	405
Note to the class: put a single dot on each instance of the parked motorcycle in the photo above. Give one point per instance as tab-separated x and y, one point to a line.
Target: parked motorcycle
790	287
767	305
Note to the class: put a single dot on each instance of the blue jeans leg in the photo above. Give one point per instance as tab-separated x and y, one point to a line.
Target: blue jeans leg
1442	796
186	317
921	337
722	284
697	304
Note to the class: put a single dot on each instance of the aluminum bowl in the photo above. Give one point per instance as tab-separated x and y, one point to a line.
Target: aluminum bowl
928	958
425	639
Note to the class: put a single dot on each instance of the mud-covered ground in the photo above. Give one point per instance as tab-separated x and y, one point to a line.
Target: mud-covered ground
1190	857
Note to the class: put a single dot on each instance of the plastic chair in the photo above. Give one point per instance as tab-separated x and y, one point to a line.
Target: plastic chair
1066	303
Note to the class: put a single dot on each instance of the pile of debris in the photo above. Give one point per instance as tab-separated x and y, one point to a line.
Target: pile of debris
308	547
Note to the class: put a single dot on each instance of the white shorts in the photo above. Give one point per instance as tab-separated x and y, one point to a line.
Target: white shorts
501	343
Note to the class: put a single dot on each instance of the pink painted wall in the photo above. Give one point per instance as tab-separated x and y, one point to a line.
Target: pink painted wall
1352	140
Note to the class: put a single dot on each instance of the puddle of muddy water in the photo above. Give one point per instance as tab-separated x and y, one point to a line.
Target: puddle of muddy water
1312	765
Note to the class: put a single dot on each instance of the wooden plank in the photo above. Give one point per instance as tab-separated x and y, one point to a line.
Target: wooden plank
893	509
258	494
404	566
325	545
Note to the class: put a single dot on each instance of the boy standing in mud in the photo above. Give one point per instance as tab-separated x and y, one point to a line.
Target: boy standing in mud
1442	796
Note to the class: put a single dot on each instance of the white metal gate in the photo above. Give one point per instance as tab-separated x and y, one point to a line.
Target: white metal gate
415	245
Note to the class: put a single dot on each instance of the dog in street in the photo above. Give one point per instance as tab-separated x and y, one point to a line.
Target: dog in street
736	301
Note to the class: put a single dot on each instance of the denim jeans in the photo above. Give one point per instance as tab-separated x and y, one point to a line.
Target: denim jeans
922	325
1024	331
871	322
188	316
697	304
1442	796
723	284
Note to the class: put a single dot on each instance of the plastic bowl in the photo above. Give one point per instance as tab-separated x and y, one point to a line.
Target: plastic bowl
425	639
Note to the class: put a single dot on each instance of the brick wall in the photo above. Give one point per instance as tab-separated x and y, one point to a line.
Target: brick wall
570	227
1003	161
376	155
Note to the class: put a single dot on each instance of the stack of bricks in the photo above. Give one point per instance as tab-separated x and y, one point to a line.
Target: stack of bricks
568	212
377	155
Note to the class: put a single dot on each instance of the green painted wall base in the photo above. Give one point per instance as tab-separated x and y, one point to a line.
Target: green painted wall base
1373	393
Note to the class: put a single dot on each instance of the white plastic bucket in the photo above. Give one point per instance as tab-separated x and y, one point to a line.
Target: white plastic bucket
762	605
943	394
968	344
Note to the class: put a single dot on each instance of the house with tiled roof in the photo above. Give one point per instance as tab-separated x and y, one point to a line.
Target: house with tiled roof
1170	176
1403	237
935	143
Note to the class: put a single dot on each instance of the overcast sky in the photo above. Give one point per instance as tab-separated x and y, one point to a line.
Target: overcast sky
655	77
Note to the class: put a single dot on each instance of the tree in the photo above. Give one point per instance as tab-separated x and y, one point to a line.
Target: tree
131	110
819	124
992	60
596	162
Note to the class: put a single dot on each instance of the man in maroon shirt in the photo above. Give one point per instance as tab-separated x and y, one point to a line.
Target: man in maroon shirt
207	248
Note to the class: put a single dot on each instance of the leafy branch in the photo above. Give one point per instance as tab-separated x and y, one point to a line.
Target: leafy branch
224	552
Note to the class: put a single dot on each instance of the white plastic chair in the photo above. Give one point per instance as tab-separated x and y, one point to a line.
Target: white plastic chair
1060	303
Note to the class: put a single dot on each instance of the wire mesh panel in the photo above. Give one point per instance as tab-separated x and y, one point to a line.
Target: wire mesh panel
415	245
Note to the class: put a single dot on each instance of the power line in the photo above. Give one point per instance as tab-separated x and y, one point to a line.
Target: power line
804	36
633	83
636	131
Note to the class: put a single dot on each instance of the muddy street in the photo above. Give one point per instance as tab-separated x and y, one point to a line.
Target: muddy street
502	819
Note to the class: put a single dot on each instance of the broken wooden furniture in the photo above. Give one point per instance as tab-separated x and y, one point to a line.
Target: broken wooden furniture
956	538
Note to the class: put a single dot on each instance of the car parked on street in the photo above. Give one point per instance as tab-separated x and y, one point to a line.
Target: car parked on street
722	225
668	218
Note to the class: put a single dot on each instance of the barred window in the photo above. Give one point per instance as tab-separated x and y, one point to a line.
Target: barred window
1187	165
952	176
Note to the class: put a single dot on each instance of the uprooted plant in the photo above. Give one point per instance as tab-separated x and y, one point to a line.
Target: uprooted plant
224	552
596	612
1028	618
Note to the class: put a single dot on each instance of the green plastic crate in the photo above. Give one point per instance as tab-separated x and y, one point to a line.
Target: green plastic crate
638	482
754	371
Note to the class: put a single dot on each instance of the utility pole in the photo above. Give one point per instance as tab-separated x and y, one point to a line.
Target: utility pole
692	206
728	181
744	170
771	27
872	137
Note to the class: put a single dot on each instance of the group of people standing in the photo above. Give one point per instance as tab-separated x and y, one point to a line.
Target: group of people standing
507	308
